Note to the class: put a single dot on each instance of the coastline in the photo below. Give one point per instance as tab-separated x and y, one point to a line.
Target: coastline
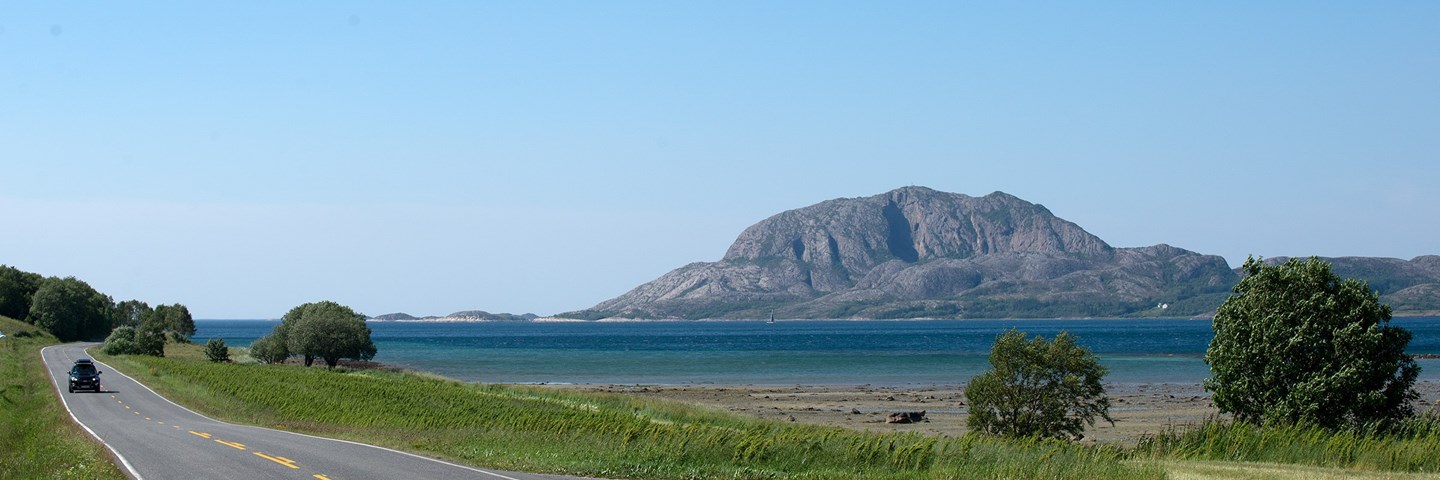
1206	317
760	320
1138	409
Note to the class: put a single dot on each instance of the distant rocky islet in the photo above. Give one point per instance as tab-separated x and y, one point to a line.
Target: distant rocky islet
915	253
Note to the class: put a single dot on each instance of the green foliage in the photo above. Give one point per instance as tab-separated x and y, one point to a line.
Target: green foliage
69	309
176	320
610	436
132	313
216	351
1296	344
327	330
1038	388
17	288
121	342
270	348
37	438
150	337
135	341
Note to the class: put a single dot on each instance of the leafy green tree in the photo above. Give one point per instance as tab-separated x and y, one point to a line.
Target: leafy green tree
177	321
131	313
121	342
1298	344
1038	388
150	337
269	348
17	288
282	332
329	331
216	351
70	309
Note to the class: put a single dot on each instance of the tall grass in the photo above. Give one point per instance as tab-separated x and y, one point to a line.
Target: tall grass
37	438
1411	446
593	434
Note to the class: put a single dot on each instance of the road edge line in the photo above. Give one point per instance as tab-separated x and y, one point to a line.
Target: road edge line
182	407
55	383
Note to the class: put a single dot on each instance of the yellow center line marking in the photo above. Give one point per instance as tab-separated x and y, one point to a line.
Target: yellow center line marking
321	477
237	446
201	435
280	460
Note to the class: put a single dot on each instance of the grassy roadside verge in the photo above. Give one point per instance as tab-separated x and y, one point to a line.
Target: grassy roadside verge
600	435
37	438
619	436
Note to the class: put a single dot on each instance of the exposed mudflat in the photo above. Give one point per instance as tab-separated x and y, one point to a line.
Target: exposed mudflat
1138	409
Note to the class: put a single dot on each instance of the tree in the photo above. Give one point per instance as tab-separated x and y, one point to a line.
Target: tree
17	288
282	332
1297	344
70	309
177	321
269	349
329	331
1038	388
121	342
128	340
216	351
150	337
131	313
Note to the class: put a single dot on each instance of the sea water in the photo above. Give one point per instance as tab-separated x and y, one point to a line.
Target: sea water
881	353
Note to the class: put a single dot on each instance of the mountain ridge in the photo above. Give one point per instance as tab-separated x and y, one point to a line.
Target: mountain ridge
915	252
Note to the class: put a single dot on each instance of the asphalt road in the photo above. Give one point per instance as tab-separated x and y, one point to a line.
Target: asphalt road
156	439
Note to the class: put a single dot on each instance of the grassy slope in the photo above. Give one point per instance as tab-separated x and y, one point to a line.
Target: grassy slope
37	438
619	436
590	434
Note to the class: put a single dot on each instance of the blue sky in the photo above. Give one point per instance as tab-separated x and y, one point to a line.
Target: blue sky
427	157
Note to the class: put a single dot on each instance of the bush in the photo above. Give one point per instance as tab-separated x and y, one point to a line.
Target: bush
269	349
121	342
1038	388
1297	344
130	341
216	351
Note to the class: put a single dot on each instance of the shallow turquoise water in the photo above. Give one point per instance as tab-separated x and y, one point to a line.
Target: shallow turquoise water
892	353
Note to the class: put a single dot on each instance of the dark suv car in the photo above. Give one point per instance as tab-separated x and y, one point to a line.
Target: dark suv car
84	376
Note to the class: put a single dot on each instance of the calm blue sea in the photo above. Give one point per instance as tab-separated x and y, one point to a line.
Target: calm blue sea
889	353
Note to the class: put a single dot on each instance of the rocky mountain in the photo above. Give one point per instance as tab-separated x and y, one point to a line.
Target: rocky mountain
919	253
1409	287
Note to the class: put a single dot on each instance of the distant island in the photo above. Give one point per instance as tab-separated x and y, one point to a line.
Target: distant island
919	253
464	316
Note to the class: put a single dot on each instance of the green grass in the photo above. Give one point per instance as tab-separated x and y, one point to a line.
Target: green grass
618	436
1412	447
37	438
601	435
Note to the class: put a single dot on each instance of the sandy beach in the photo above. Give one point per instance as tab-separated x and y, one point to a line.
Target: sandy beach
1138	409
